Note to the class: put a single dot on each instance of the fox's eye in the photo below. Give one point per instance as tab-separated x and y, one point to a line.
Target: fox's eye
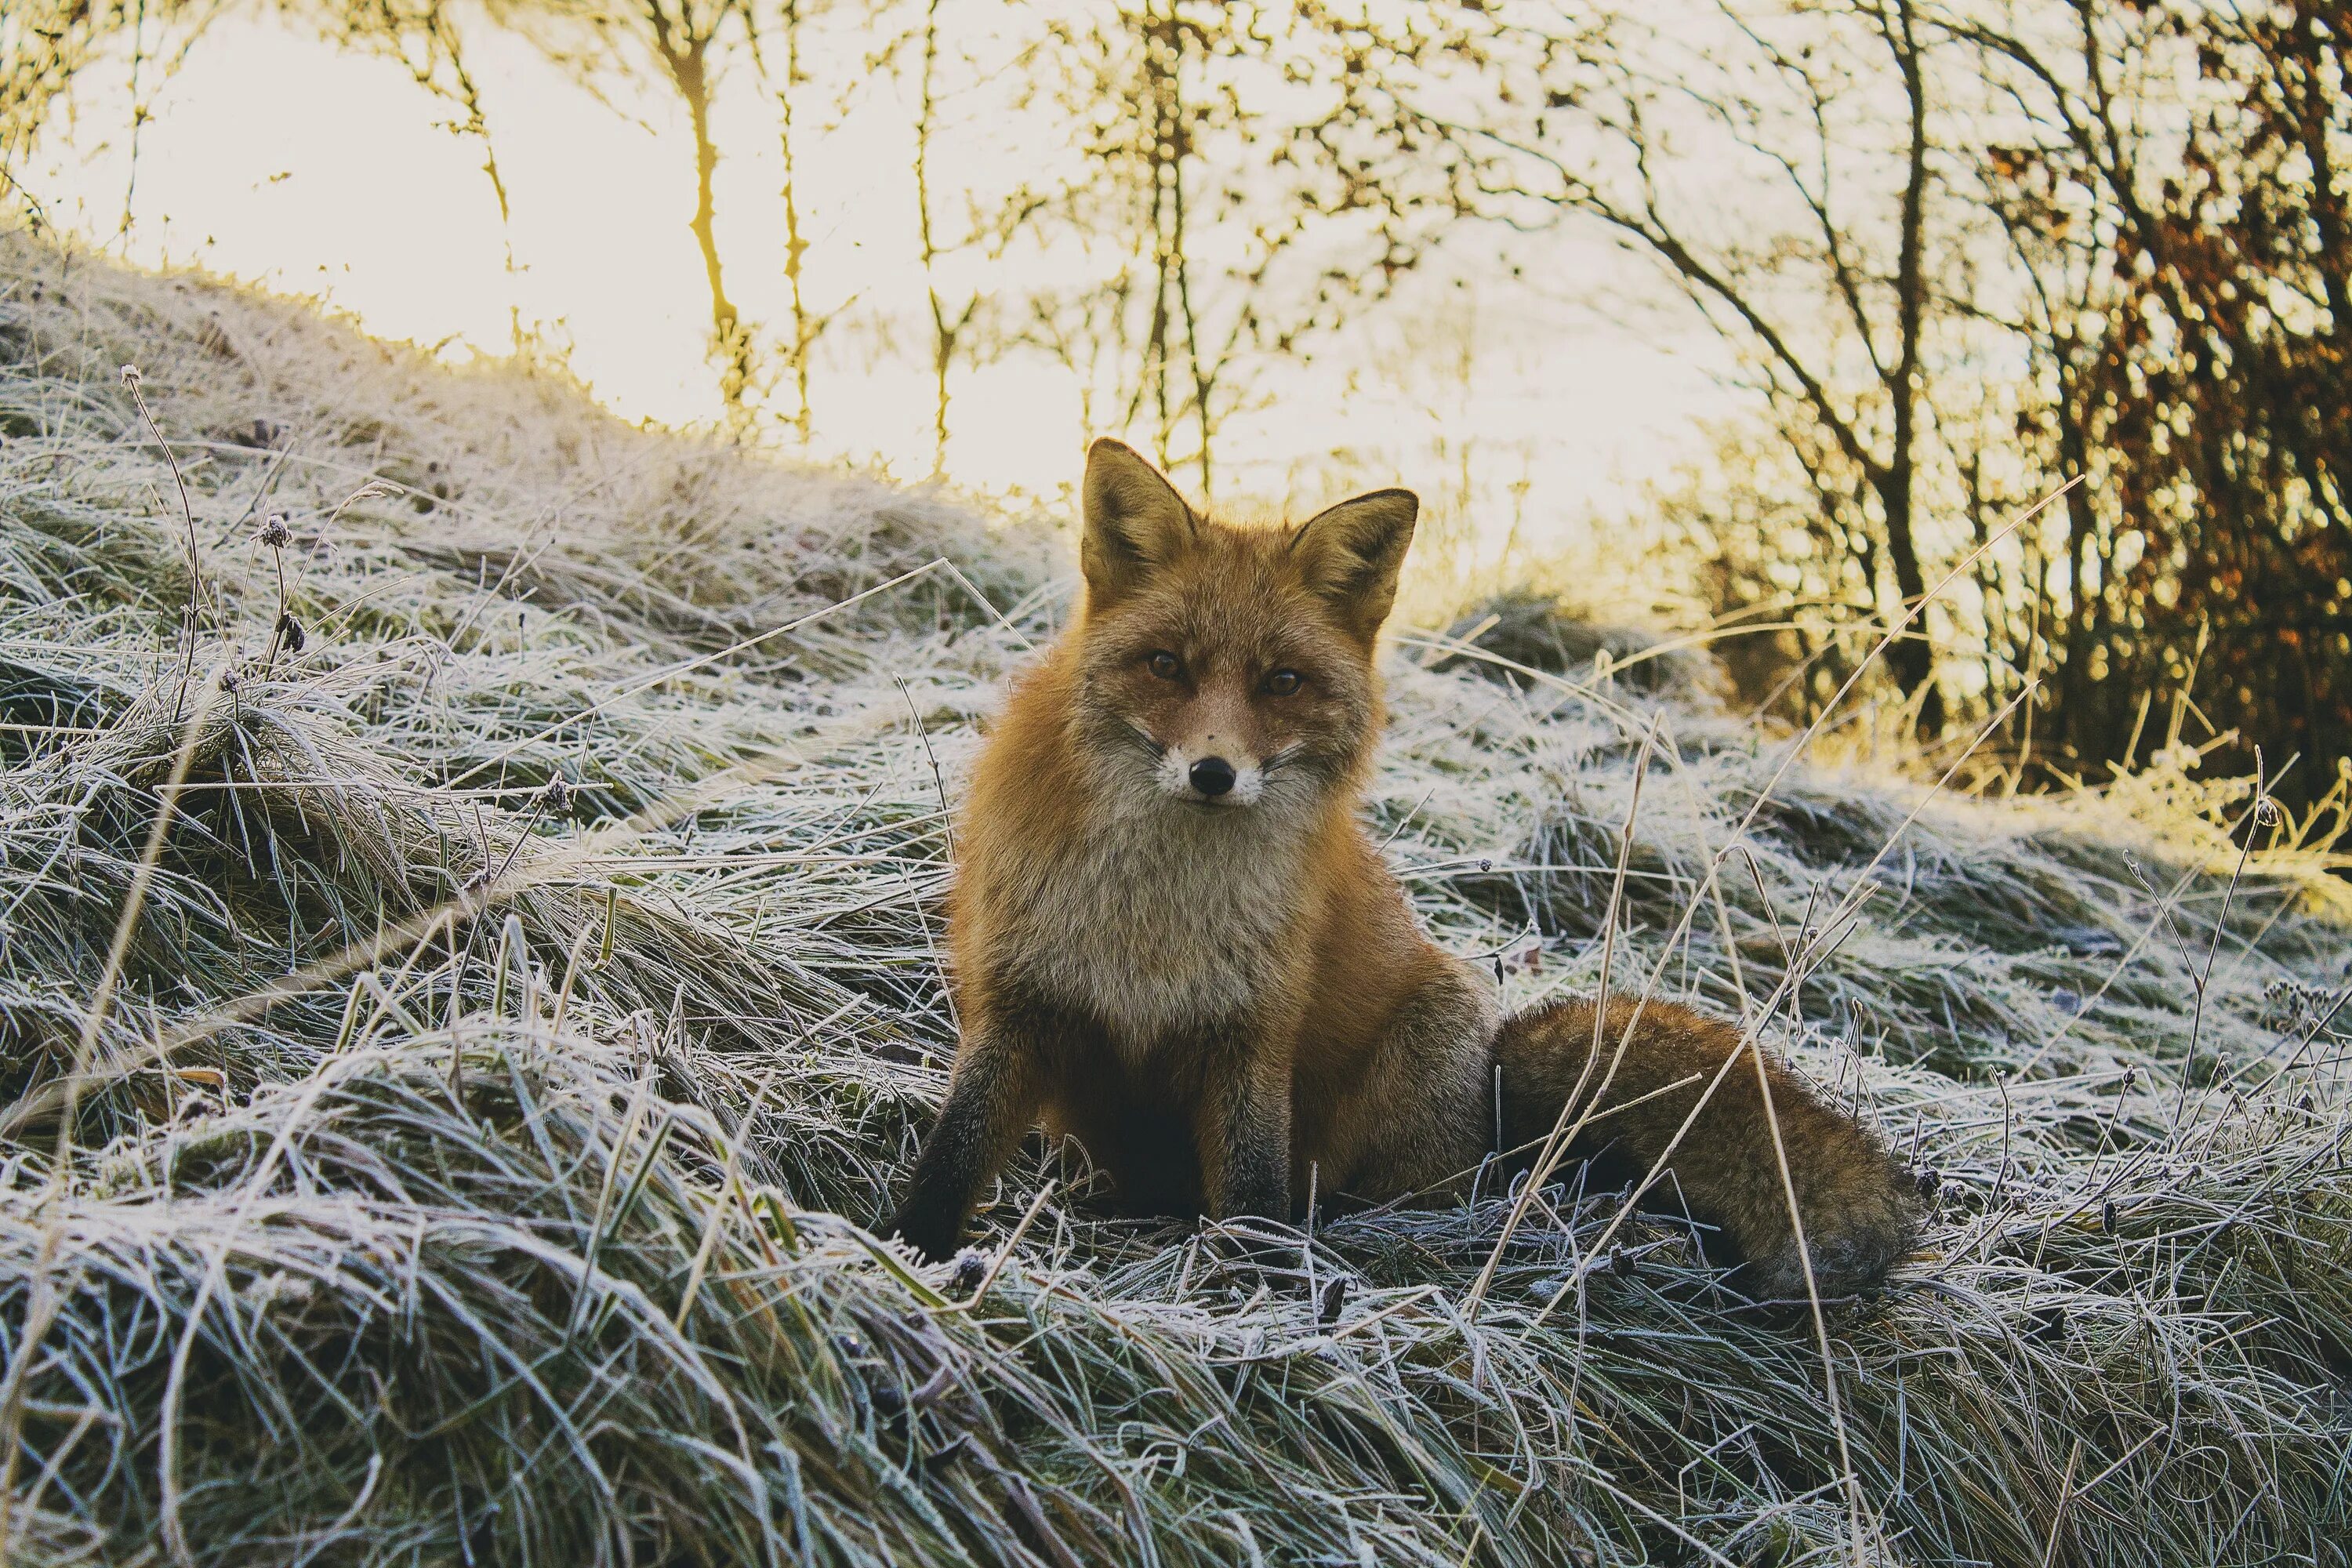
1165	664
1282	683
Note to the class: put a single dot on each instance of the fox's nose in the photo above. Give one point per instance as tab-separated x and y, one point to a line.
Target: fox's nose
1212	776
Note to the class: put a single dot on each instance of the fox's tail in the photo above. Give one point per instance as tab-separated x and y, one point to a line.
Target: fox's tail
1860	1209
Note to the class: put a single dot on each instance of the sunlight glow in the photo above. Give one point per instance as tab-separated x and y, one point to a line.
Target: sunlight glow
272	157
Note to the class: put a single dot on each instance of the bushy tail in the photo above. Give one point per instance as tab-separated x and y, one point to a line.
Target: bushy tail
1860	1209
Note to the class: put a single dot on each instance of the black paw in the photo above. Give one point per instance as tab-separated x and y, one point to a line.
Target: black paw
932	1233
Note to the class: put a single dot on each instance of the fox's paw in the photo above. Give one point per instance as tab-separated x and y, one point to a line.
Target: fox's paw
930	1230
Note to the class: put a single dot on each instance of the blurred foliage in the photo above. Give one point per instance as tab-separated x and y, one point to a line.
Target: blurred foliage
1961	252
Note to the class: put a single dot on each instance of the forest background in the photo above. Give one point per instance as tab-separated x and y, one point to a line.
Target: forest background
1758	320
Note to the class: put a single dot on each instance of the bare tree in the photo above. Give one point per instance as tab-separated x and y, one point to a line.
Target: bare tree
1264	139
424	37
2172	185
788	27
46	44
1646	122
680	44
947	330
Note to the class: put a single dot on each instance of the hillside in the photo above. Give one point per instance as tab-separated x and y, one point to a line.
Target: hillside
533	992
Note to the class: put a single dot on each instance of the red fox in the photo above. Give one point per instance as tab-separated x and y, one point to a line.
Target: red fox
1172	937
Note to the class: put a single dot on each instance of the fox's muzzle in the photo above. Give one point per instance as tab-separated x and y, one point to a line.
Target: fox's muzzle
1212	776
1215	779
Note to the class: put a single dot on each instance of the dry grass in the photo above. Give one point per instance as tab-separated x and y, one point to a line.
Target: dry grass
530	1231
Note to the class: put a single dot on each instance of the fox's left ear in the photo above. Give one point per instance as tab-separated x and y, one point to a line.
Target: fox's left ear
1351	554
1136	523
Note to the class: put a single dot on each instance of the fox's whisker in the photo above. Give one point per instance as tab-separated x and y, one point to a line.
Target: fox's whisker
1144	737
1301	760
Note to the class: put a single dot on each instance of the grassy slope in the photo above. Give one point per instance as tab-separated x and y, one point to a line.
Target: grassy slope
537	1240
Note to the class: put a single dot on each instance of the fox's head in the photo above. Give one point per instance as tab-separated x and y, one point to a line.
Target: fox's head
1225	669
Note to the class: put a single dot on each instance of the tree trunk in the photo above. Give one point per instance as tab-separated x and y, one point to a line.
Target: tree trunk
688	71
944	335
2076	726
796	248
1913	658
1163	46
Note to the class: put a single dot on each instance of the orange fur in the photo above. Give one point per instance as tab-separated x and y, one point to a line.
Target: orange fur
1211	979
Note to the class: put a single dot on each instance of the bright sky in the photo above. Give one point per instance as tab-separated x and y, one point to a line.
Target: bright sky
274	158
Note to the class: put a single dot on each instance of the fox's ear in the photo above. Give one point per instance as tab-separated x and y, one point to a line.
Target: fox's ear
1136	522
1351	554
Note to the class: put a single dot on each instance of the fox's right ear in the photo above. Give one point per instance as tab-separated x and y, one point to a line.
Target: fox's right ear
1351	554
1135	522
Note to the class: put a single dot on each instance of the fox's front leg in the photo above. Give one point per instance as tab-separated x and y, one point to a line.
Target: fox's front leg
1243	1134
993	1097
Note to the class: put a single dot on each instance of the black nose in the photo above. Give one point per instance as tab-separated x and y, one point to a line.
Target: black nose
1213	775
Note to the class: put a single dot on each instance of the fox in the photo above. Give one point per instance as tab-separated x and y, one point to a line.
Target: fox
1172	937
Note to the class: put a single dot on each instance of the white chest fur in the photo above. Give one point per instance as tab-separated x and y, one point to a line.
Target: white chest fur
1162	920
